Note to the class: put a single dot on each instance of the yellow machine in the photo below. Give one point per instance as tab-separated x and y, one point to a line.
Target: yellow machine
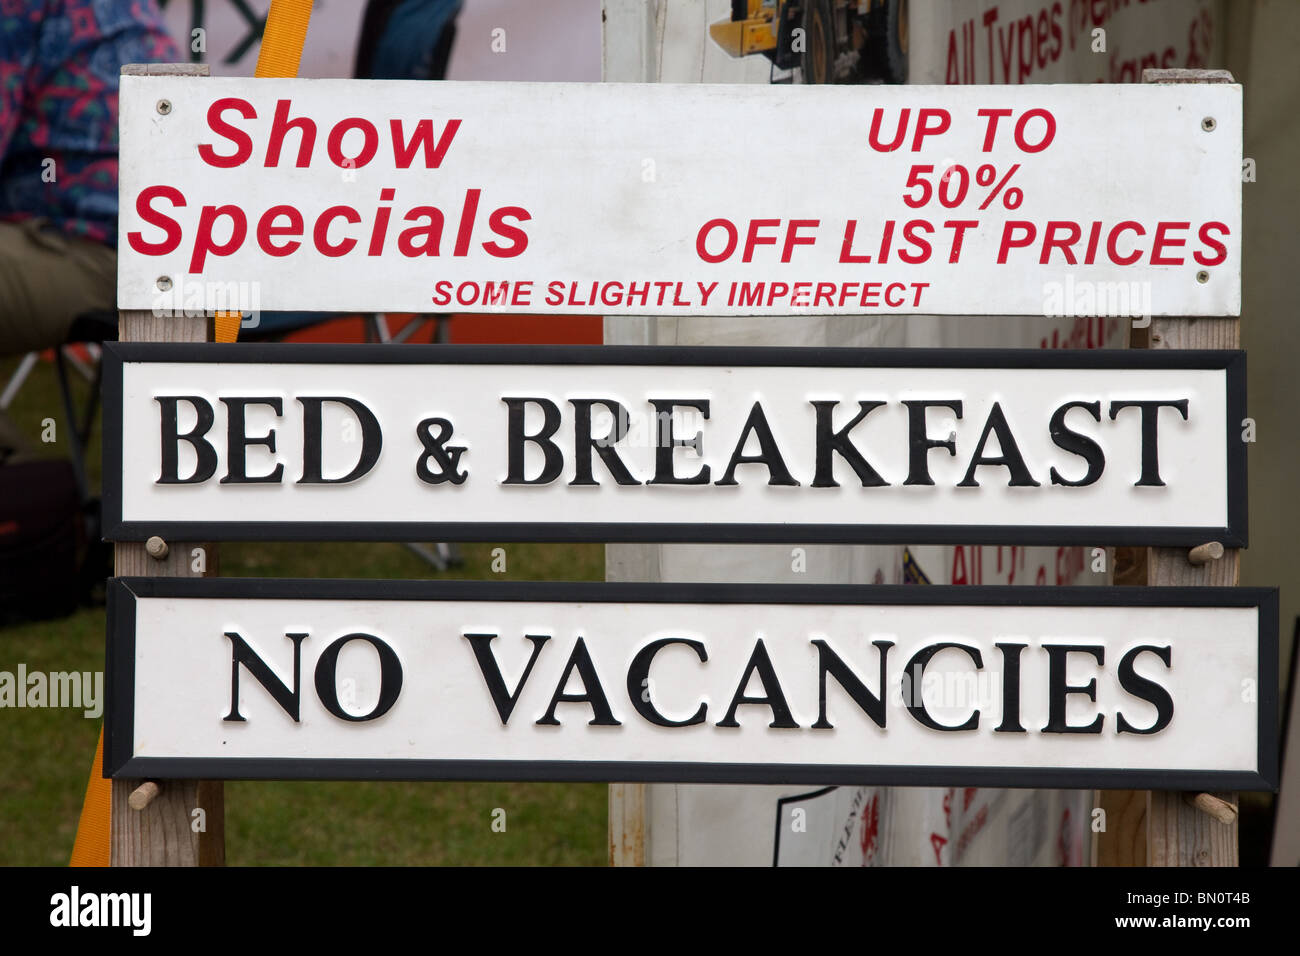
755	33
829	41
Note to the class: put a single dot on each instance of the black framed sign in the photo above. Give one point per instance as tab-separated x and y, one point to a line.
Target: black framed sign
1160	688
603	443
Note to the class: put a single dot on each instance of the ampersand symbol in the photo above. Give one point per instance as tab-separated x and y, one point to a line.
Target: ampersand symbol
445	457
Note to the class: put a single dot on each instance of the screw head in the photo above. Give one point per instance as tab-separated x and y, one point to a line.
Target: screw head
164	283
1202	277
164	107
1208	124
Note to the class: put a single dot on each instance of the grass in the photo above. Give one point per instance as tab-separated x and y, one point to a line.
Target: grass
46	753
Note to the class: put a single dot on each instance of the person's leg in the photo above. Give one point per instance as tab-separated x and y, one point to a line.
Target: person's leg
47	279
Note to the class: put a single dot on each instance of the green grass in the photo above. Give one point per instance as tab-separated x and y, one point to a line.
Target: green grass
45	754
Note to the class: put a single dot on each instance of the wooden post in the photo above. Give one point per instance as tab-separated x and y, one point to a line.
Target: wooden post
627	811
165	831
1180	831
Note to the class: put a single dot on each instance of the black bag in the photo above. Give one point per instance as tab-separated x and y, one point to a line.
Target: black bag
42	535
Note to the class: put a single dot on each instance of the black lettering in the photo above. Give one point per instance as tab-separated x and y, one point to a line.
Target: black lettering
1150	438
1144	689
241	653
584	444
828	662
1010	689
667	442
1077	444
915	672
516	437
238	440
769	455
206	465
592	694
1010	455
390	678
371	440
773	697
638	682
919	442
1058	689
830	442
502	697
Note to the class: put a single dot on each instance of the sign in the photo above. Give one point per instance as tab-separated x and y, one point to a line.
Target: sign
1051	41
674	444
964	826
652	199
1172	688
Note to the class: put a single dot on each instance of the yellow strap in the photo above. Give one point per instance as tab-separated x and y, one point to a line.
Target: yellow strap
282	40
91	848
226	326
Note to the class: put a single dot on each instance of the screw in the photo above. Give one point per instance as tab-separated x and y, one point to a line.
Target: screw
164	107
1202	277
164	283
1208	124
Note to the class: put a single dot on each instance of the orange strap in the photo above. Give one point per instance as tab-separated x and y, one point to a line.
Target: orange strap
91	848
282	41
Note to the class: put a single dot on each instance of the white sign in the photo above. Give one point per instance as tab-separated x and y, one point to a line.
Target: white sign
659	199
1170	688
674	444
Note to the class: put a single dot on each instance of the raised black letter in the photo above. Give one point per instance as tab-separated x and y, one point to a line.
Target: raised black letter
919	443
1057	688
592	694
502	697
584	444
912	678
638	682
1077	444
206	465
554	459
241	653
768	455
238	440
1010	689
773	696
830	441
390	678
1150	439
372	440
1144	689
666	442
1010	454
828	662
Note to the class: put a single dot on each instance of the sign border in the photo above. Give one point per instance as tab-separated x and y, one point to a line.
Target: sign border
1070	102
119	713
1233	362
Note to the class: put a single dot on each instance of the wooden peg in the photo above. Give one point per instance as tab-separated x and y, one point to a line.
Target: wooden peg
1205	553
156	548
143	795
1217	807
